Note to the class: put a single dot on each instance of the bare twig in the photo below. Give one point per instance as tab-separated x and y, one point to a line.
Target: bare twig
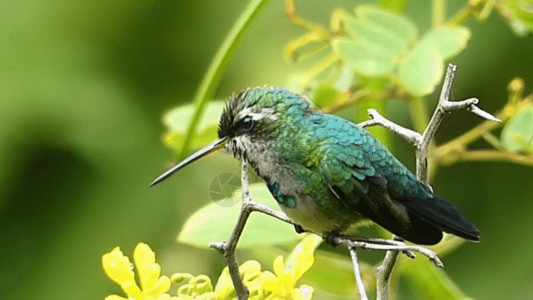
228	247
445	105
421	144
409	135
385	245
384	274
357	273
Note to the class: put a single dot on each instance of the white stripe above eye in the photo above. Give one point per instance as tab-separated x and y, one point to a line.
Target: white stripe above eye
256	116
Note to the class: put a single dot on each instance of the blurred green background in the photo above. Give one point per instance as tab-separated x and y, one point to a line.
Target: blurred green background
83	86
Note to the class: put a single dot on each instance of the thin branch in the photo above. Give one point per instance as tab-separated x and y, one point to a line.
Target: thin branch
386	245
409	135
357	273
384	274
445	105
228	247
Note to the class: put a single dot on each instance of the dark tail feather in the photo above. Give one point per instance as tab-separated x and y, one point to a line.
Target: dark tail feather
444	215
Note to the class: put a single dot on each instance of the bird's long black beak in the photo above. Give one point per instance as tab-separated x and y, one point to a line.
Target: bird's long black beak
218	144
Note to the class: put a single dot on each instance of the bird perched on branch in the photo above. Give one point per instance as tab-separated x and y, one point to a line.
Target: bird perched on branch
327	173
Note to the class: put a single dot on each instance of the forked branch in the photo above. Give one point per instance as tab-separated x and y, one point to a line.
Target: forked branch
421	143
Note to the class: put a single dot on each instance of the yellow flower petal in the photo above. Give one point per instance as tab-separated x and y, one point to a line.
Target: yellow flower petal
224	288
160	287
165	297
117	266
301	258
115	297
250	266
131	289
256	291
269	282
147	268
278	265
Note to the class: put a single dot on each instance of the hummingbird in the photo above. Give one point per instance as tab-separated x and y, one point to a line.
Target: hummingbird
327	173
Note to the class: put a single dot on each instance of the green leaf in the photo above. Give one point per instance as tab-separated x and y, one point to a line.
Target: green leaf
517	135
214	222
423	67
365	59
429	281
370	33
421	71
519	15
378	39
395	24
447	41
177	121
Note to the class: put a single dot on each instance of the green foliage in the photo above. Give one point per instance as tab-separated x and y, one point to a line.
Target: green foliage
378	38
423	67
521	15
382	42
430	282
214	222
517	135
178	119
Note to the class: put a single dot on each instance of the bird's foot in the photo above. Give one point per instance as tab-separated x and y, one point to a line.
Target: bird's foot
331	238
299	229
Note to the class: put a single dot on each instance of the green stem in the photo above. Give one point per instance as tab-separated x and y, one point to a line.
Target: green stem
217	67
438	12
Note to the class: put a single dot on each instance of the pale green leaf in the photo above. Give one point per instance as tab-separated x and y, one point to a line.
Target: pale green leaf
429	281
520	15
384	38
517	135
421	71
396	24
447	41
178	119
215	222
365	59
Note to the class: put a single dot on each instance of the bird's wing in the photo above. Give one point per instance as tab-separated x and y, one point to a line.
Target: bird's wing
358	179
363	190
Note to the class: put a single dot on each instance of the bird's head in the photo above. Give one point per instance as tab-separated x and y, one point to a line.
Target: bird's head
250	121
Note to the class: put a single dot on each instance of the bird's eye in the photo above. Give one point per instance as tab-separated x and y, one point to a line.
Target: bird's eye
247	124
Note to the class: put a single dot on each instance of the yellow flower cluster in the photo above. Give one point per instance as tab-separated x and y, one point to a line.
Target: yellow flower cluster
261	284
119	268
